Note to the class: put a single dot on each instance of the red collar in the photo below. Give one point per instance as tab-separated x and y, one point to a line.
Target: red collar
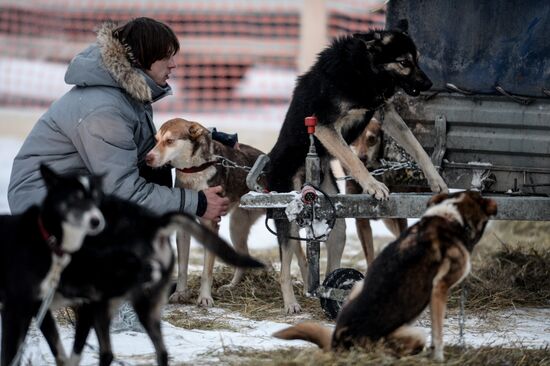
51	240
196	169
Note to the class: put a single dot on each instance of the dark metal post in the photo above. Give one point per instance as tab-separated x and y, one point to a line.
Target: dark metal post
313	177
313	250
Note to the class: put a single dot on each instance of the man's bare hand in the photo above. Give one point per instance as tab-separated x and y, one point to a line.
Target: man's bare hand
216	205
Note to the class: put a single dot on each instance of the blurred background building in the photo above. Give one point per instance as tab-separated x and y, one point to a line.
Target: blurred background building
235	54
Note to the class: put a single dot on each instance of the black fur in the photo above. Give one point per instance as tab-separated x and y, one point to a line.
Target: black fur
348	71
351	78
118	264
26	257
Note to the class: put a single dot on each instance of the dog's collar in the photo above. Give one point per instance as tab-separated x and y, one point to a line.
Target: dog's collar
51	240
196	169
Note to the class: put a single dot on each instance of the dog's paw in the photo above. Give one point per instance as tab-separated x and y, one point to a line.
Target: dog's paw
377	189
179	297
205	301
293	308
438	185
438	356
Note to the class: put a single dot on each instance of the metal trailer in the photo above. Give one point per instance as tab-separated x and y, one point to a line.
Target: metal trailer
485	122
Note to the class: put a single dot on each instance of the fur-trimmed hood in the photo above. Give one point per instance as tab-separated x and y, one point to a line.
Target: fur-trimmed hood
105	64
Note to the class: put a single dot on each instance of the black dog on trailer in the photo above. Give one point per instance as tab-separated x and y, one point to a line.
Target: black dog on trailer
132	259
37	245
351	79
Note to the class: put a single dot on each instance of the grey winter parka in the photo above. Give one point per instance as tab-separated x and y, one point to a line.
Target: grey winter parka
103	125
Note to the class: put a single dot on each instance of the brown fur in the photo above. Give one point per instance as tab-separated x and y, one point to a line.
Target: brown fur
186	144
415	271
367	147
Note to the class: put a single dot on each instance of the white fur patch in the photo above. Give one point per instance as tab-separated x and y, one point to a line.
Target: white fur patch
73	236
74	360
52	277
85	181
446	209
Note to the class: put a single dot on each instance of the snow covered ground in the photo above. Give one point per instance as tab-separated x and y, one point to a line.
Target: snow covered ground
519	327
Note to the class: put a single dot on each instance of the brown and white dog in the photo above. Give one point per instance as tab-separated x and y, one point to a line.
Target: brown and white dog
367	147
417	269
188	147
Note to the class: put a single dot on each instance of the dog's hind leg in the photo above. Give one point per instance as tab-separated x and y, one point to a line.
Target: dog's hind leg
240	223
16	318
364	232
205	293
183	244
148	309
302	262
284	230
337	237
335	245
362	226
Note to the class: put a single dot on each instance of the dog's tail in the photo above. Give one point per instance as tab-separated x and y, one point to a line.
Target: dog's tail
308	331
211	241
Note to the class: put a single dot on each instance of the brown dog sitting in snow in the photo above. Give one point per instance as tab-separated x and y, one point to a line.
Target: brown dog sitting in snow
189	147
417	269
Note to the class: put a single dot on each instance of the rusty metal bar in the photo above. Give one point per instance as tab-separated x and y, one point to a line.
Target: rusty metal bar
407	205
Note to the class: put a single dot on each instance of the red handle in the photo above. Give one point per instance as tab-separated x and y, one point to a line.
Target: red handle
310	123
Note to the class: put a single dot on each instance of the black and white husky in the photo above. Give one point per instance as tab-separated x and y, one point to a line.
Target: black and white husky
131	259
37	245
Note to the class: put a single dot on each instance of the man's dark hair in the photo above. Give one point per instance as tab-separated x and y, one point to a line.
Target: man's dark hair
147	40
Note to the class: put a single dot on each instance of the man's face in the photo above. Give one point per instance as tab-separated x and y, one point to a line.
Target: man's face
160	70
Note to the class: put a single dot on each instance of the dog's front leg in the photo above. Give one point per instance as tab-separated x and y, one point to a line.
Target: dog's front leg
438	303
183	244
51	333
394	125
337	147
84	321
102	322
205	293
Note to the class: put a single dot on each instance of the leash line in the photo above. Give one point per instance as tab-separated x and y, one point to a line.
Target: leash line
38	323
461	317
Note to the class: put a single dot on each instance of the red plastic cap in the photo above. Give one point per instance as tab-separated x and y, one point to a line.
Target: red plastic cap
310	123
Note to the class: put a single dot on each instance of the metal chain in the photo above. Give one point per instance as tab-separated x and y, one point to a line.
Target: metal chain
226	163
387	166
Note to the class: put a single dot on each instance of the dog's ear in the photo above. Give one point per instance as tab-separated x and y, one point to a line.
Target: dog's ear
196	131
98	180
358	51
49	176
489	206
403	26
438	198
